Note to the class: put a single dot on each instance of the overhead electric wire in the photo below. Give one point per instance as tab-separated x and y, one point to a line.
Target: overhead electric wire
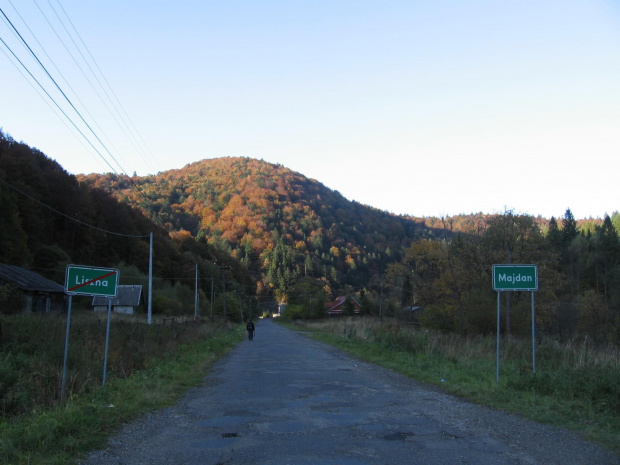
59	89
70	103
60	72
55	110
93	87
113	106
56	103
153	215
133	132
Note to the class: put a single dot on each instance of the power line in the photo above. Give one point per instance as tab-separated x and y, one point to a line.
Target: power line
55	110
123	126
23	41
56	103
59	89
81	70
132	125
54	64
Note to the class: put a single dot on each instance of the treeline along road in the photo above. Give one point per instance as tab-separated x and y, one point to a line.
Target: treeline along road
284	398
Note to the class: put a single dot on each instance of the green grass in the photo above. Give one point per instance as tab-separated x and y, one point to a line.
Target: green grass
61	434
577	386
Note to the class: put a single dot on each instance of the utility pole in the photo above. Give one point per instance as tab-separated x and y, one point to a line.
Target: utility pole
150	306
412	296
196	294
223	269
212	279
381	304
240	307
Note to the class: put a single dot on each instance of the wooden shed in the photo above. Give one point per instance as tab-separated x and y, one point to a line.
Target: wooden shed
127	298
39	293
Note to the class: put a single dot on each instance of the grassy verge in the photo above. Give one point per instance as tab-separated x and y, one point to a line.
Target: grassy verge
63	434
576	386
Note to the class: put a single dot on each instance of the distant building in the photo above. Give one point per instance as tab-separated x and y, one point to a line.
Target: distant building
39	294
411	315
338	306
126	300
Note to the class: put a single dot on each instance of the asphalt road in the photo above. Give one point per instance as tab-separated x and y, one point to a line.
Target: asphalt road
287	399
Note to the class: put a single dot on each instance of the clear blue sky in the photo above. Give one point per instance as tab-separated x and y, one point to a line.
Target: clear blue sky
416	107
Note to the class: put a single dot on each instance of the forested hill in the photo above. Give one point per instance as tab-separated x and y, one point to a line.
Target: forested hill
278	223
48	219
291	237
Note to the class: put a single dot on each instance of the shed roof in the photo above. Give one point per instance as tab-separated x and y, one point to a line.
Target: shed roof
28	280
128	295
337	305
412	309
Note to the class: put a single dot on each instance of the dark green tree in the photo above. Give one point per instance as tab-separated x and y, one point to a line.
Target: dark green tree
569	228
349	307
514	239
606	258
554	235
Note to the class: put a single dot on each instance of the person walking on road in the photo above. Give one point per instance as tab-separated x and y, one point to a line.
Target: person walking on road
250	328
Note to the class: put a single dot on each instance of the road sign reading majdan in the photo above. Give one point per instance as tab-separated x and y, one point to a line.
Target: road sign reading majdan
515	278
85	280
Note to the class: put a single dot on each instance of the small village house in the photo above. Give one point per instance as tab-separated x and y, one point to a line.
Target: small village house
39	293
339	306
128	298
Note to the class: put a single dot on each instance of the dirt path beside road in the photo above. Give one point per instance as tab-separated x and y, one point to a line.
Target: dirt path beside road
284	398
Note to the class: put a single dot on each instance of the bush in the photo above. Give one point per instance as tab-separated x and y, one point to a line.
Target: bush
293	312
11	299
164	305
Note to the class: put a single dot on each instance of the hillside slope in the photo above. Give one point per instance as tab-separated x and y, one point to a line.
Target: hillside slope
278	223
49	219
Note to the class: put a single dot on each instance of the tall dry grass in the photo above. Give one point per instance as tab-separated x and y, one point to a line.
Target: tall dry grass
573	354
576	383
32	353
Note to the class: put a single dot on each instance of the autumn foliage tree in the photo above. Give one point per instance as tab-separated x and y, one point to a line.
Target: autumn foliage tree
48	219
452	277
279	224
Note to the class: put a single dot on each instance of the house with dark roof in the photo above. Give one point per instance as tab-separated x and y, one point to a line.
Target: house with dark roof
39	293
338	306
128	297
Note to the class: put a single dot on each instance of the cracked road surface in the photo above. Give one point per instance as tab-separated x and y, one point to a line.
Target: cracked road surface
287	399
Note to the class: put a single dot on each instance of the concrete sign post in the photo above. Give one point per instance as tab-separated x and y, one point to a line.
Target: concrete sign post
516	278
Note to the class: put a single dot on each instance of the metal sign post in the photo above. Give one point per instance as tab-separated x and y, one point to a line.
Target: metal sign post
107	341
533	336
64	363
89	281
498	334
516	278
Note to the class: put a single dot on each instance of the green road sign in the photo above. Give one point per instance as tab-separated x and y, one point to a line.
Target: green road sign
85	280
515	278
